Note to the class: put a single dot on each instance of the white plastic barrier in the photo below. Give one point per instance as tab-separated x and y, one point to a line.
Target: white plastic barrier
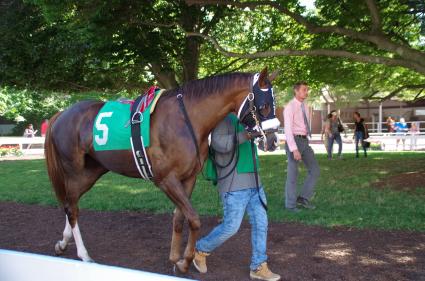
19	266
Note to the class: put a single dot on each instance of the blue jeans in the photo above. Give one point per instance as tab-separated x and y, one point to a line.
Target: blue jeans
235	203
359	138
332	138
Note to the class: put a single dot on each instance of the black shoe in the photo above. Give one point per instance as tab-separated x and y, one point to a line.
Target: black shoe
305	203
293	210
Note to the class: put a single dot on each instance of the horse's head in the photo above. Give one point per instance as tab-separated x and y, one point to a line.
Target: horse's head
258	111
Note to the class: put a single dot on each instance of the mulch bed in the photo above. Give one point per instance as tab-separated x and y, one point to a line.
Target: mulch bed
297	252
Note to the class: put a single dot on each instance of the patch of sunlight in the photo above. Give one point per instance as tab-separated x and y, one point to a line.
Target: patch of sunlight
294	240
420	246
402	251
333	245
286	256
33	171
401	259
382	172
338	252
370	261
130	190
412	172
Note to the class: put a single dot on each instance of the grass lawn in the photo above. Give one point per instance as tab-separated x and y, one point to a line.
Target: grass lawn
345	194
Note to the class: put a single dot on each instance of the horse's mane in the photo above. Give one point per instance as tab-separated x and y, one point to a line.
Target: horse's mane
210	85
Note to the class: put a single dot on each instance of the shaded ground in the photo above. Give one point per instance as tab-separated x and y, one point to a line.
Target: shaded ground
297	252
407	181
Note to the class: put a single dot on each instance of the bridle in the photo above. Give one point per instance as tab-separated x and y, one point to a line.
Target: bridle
252	110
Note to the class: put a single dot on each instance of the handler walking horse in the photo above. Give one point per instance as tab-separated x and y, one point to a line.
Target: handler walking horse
175	153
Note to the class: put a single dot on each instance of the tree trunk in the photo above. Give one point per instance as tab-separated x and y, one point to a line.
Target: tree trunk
190	20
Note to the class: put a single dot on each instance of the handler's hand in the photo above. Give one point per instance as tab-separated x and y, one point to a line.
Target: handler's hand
253	135
297	155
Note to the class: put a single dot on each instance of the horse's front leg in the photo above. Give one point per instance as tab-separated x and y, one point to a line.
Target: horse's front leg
176	239
180	195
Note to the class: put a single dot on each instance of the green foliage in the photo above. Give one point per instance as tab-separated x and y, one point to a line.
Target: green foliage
100	46
345	194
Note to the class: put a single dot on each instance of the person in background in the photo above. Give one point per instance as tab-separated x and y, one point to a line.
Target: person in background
324	136
390	124
297	132
334	134
239	194
43	127
360	133
414	132
401	130
29	133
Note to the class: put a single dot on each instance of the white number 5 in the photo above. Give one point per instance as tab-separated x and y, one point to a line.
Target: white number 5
102	127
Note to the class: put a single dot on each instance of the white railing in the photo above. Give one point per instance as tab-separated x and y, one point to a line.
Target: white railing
387	141
26	145
374	126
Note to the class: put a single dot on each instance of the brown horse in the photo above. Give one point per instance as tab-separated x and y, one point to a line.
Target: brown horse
74	166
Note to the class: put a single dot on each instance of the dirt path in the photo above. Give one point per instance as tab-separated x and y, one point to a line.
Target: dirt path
297	252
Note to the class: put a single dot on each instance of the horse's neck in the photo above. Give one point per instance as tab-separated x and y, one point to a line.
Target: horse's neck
211	110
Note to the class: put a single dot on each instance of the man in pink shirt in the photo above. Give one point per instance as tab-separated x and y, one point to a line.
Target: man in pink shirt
297	132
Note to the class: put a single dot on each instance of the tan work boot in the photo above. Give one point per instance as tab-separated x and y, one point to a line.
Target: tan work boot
200	261
263	273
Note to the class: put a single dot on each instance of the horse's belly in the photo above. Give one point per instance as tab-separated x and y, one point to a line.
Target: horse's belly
118	161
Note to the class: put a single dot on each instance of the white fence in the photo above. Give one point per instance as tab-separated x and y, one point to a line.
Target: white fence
28	146
18	266
386	141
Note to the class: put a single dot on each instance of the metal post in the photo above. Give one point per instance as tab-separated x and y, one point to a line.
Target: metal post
380	118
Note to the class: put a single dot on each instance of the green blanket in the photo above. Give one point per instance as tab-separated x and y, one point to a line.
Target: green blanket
112	129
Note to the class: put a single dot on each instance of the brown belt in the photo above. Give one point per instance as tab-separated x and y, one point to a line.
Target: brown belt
300	136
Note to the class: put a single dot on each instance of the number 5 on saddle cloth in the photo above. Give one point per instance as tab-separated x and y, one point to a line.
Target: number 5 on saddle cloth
124	125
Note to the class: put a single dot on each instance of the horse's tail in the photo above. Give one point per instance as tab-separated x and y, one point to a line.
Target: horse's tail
54	164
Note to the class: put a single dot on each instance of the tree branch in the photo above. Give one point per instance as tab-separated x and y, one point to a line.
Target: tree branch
398	90
379	39
314	52
374	13
418	95
371	96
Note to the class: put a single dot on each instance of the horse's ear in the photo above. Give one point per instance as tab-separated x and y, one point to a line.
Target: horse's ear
262	80
273	75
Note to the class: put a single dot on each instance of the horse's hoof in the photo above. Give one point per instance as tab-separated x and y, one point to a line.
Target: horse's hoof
181	265
87	259
174	258
58	249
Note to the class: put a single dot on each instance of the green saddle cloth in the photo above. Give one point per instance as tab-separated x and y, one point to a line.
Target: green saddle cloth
112	128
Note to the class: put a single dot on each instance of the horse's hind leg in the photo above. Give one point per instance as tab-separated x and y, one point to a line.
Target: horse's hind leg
61	245
76	186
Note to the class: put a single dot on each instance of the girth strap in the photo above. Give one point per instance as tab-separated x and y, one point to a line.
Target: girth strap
136	140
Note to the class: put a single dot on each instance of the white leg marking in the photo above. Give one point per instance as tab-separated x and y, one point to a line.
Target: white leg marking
67	234
81	249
